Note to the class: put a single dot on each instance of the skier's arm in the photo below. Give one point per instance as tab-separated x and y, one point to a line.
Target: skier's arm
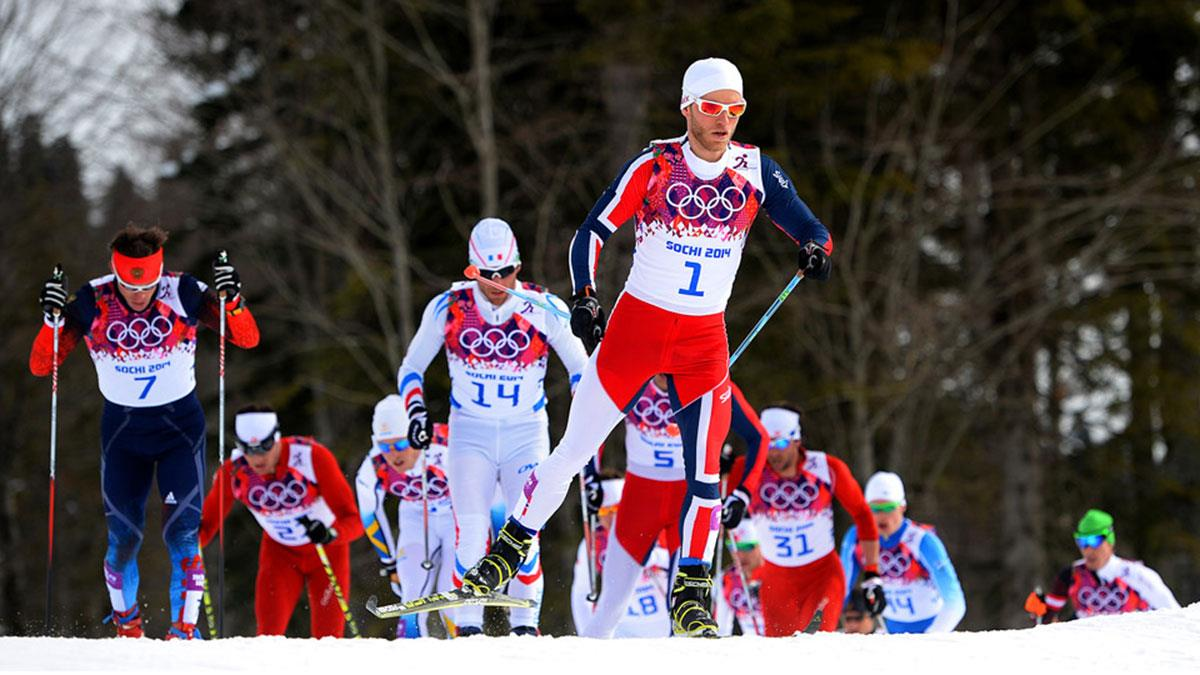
337	494
210	515
74	320
568	347
410	379
1151	587
371	511
937	561
1058	594
198	299
850	496
850	565
745	423
616	206
788	211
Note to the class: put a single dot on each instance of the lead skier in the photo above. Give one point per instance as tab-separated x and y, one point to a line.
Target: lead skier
497	349
139	324
693	200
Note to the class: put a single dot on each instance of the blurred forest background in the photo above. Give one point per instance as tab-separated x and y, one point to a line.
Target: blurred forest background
1013	323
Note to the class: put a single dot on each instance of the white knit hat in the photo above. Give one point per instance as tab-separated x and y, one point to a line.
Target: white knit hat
885	486
781	423
706	76
254	428
492	245
390	419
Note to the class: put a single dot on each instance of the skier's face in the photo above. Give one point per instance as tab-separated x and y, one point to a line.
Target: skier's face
402	460
887	520
494	295
264	463
1097	557
784	460
137	300
710	135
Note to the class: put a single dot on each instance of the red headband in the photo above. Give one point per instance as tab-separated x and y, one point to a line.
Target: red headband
138	271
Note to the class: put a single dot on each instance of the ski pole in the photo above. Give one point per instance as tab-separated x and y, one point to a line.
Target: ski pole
741	572
222	257
472	272
337	590
208	611
589	541
426	564
766	316
720	549
58	275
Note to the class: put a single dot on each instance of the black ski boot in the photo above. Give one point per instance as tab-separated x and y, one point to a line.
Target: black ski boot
690	600
500	565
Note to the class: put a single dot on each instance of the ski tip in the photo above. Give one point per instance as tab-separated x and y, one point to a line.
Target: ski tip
472	272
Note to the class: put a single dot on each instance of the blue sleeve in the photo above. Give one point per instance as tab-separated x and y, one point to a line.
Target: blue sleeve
82	310
787	210
937	561
615	206
191	295
849	560
746	425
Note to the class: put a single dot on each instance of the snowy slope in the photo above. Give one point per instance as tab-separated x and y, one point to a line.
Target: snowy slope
1157	642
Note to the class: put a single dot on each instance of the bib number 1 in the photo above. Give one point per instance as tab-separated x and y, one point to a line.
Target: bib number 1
692	289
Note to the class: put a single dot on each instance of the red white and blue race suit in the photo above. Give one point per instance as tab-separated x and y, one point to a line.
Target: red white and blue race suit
405	546
691	221
153	426
919	581
1120	586
654	493
499	428
791	518
646	611
307	483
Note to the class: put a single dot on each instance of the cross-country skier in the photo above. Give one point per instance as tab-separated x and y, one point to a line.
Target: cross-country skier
791	517
654	493
920	584
693	199
393	467
295	489
735	602
855	617
139	324
645	613
1101	582
497	348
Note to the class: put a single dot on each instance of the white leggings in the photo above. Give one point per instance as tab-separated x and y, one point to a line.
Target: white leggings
416	582
482	452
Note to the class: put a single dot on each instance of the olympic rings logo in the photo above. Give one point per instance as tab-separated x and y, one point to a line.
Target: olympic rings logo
653	412
140	332
894	564
277	495
1103	599
706	200
409	488
785	496
494	342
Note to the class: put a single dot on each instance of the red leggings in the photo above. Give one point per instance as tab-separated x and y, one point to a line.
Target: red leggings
790	596
649	507
283	572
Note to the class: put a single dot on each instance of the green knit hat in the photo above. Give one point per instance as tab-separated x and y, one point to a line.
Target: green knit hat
1096	521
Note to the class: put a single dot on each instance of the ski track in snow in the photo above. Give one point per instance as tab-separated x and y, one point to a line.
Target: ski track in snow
1166	641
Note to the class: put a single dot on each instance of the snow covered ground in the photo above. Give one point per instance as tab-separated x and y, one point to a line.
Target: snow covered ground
1157	642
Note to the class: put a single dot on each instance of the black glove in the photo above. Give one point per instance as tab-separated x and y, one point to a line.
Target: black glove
54	293
587	318
593	489
814	262
734	508
225	277
872	590
725	463
387	568
316	530
419	433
